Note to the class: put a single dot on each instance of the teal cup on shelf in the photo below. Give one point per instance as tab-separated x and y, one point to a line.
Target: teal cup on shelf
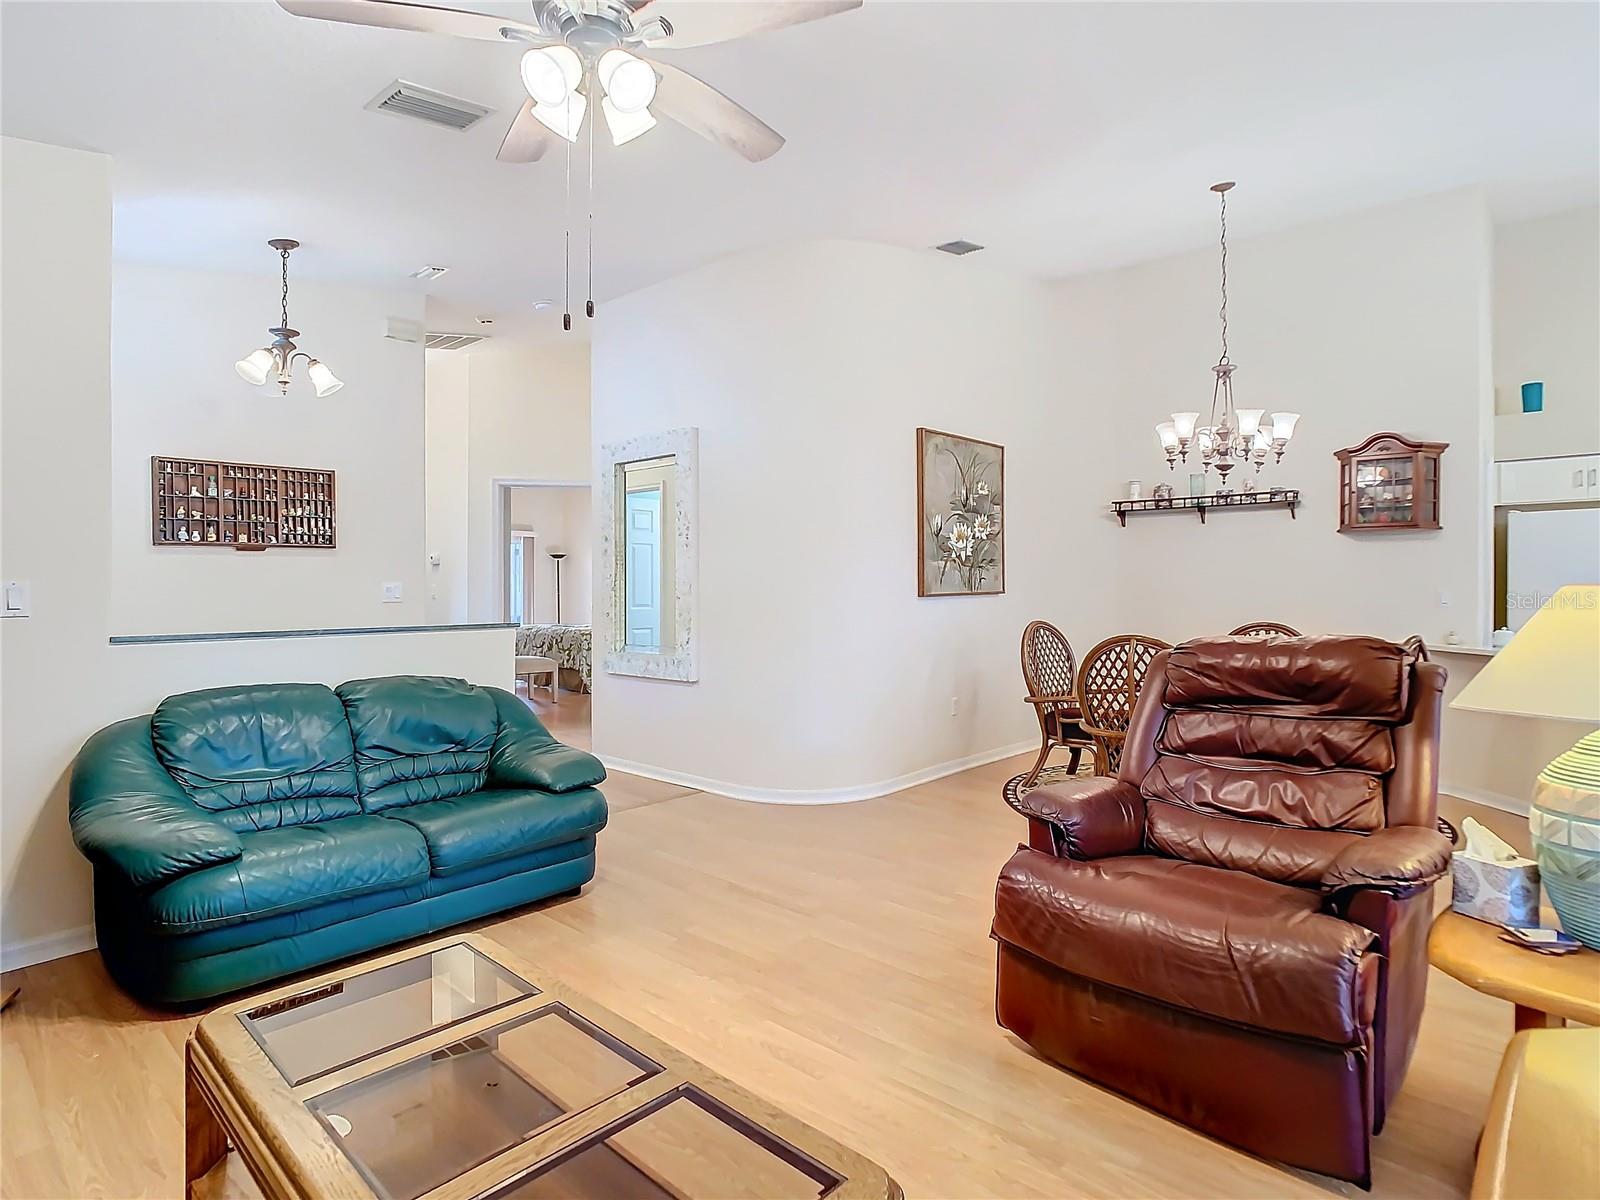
1533	397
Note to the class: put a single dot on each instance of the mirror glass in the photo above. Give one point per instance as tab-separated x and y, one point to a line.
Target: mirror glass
647	539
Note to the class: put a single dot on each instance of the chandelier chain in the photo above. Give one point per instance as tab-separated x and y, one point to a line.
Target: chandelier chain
1223	311
285	297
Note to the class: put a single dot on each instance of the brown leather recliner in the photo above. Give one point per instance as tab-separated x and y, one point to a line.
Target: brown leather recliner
1233	930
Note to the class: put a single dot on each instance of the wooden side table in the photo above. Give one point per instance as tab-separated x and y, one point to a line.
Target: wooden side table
1542	1137
1546	989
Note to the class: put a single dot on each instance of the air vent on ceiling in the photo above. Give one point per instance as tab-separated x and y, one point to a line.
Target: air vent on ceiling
429	272
451	341
424	104
958	247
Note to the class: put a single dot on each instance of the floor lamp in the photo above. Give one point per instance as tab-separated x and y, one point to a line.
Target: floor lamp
558	555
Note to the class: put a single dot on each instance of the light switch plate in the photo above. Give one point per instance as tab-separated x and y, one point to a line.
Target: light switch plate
17	600
391	593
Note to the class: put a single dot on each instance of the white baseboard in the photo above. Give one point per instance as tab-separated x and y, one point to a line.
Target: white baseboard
841	795
43	949
1500	800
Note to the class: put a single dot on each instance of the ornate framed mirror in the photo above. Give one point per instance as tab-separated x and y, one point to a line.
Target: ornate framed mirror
649	500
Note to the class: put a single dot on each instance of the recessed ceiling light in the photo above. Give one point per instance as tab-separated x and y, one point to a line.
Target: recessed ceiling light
958	247
429	272
541	305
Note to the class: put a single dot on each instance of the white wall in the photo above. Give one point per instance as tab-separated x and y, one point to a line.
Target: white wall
55	501
1546	311
1375	321
175	336
512	411
445	452
807	369
562	520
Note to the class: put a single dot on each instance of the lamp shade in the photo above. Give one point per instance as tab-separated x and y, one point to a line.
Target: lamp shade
254	367
1551	668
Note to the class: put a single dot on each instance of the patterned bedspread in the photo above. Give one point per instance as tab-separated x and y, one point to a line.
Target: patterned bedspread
569	645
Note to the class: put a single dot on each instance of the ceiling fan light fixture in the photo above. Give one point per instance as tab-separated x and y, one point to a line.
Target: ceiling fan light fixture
629	82
625	126
254	367
551	73
564	119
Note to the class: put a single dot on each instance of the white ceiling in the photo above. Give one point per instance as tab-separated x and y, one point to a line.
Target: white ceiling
1063	136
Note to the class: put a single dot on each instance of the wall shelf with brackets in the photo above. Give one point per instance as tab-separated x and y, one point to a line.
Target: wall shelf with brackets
1275	498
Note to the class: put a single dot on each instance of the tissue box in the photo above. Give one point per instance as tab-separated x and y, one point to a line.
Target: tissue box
1506	893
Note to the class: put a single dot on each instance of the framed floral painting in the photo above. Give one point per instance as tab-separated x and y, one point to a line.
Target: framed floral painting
961	536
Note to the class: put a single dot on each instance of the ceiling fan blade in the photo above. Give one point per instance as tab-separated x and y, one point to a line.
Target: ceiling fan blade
697	105
698	23
527	139
420	18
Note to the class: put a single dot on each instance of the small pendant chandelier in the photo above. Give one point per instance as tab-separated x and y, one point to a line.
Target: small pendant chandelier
277	360
1233	437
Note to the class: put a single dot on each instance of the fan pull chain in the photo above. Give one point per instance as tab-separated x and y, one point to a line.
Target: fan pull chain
566	301
588	305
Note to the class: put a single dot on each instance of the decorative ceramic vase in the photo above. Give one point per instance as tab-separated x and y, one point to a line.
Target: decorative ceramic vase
1565	821
1533	397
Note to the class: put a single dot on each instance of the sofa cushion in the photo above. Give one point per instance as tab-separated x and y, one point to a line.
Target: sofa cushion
1221	943
418	738
295	867
260	756
466	831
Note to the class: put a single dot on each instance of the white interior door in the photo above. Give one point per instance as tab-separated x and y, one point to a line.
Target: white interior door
642	522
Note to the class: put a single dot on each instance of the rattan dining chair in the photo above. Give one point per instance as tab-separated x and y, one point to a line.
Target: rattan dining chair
1048	667
1109	680
1416	646
1264	629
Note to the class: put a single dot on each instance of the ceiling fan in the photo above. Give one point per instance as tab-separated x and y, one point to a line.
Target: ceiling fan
574	45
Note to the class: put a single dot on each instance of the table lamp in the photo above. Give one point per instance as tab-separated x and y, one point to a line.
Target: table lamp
1551	669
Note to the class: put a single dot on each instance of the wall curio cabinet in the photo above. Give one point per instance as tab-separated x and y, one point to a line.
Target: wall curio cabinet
1389	482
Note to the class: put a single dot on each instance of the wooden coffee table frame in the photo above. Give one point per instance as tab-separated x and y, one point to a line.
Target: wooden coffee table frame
235	1095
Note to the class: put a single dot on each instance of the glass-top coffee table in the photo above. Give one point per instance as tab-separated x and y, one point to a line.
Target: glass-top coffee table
453	1071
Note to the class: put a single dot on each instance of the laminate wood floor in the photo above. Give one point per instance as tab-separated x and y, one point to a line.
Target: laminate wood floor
835	960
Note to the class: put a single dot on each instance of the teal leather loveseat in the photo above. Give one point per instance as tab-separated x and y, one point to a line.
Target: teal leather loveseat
244	833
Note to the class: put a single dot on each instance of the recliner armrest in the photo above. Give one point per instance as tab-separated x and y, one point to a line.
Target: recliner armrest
1095	816
1401	859
128	813
526	756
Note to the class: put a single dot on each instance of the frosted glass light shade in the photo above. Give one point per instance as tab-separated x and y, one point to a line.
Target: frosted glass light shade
1167	431
625	126
1283	424
1249	422
1262	441
254	367
1548	669
629	82
551	73
564	119
1184	424
324	380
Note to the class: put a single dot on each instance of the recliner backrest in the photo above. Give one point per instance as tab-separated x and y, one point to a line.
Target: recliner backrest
418	738
1270	756
260	756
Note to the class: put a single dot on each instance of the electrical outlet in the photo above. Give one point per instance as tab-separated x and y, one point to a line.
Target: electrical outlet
391	593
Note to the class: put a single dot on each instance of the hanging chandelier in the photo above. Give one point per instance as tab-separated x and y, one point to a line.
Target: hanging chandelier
1232	437
277	360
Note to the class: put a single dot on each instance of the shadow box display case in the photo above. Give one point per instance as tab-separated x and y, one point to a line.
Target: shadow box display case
241	506
1389	482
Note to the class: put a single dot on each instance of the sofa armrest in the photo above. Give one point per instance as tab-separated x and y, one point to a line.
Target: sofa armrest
1401	860
127	813
526	756
1094	816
